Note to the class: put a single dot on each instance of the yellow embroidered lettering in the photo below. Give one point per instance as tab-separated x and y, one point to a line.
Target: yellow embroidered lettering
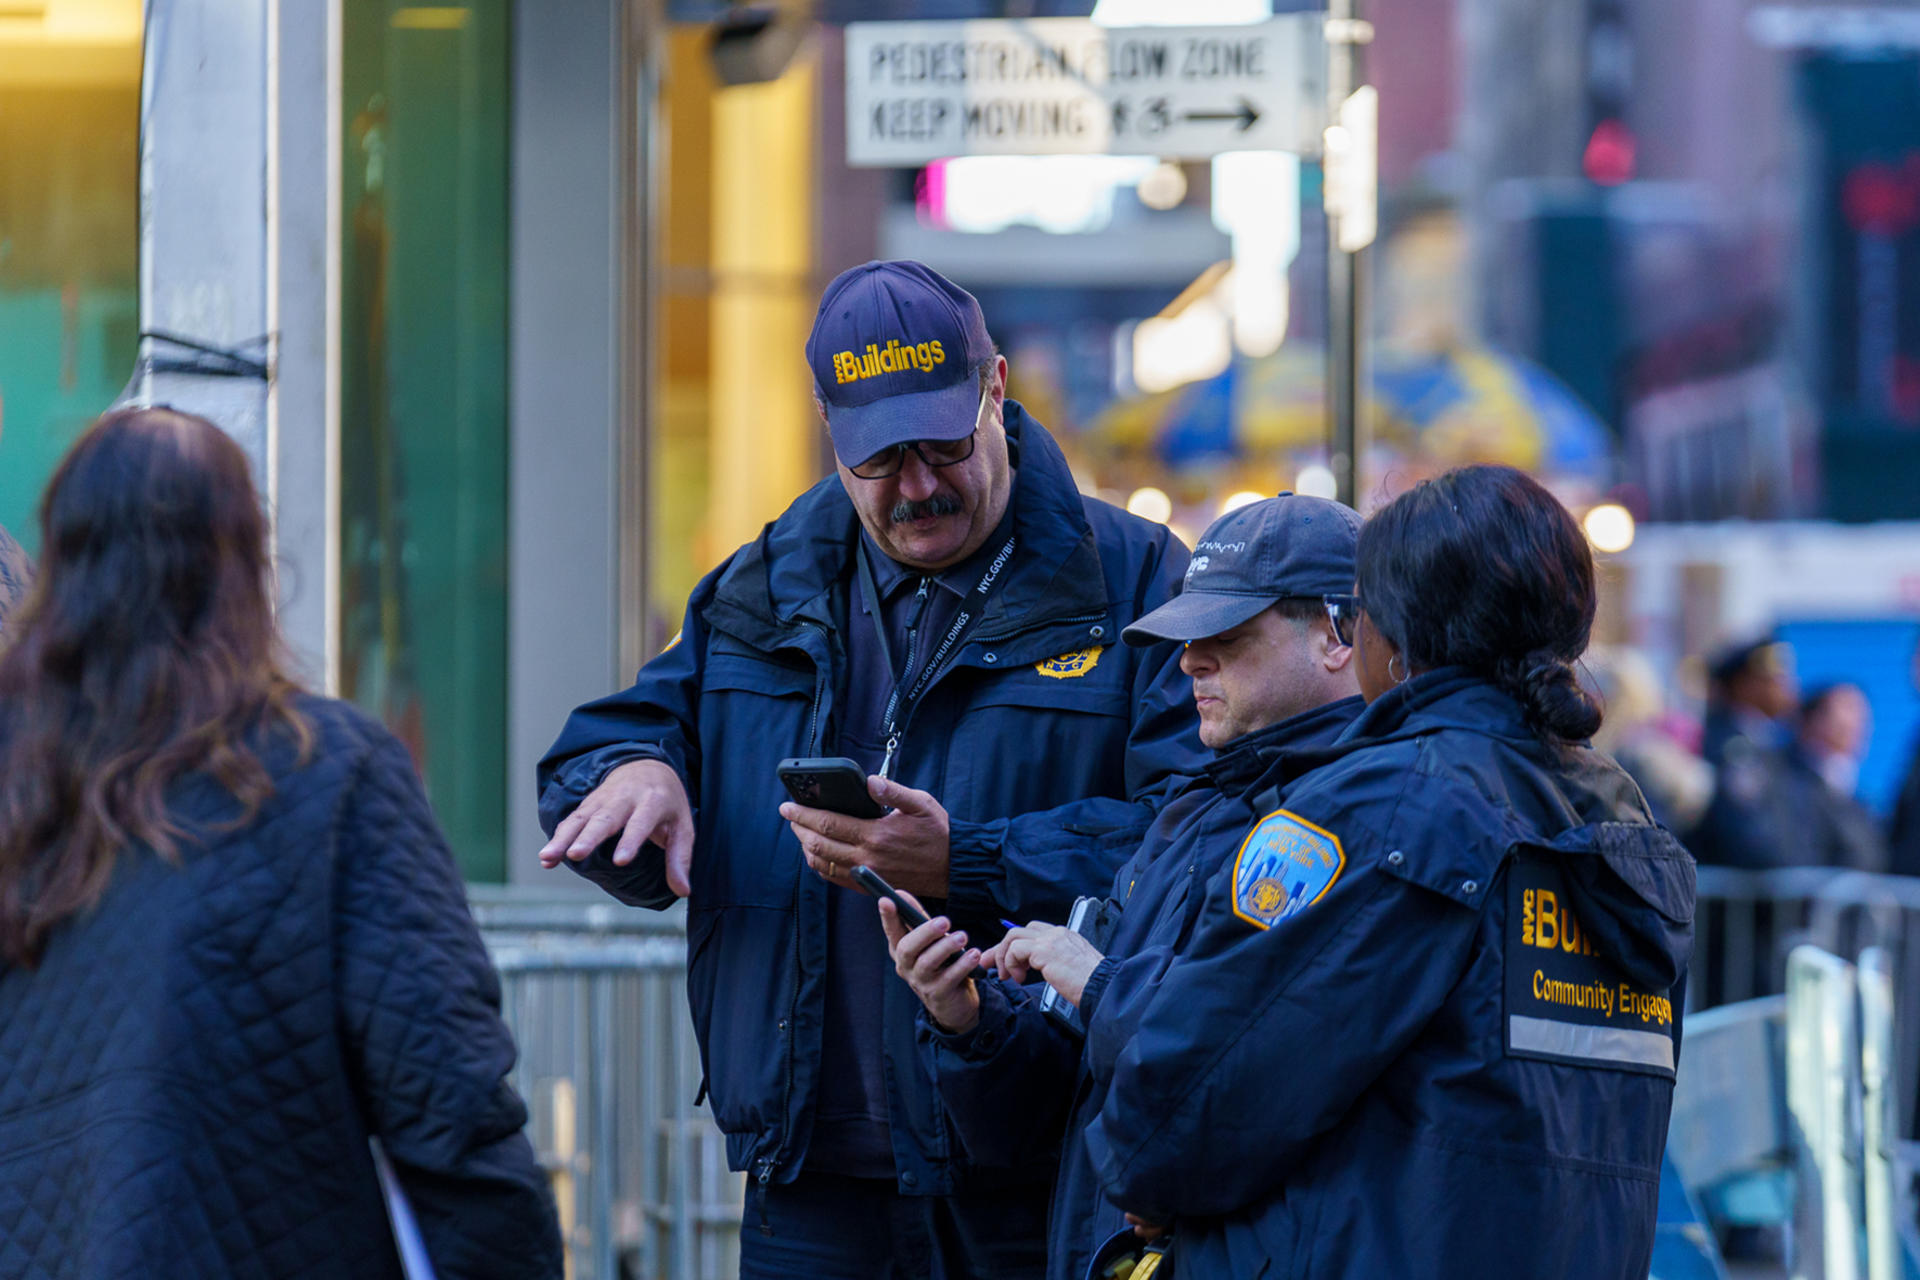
1548	924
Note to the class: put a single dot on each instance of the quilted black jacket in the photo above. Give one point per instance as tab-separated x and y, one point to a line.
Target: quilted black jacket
189	1078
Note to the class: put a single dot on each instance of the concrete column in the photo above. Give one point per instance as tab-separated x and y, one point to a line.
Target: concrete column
565	406
239	251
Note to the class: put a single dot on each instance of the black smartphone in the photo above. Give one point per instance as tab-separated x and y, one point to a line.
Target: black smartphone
870	880
829	782
911	916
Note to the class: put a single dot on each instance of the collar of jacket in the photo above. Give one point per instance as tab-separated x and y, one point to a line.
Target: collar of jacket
1444	698
1244	759
783	581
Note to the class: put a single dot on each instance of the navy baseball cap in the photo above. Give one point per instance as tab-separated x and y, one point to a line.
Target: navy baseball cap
893	350
1251	557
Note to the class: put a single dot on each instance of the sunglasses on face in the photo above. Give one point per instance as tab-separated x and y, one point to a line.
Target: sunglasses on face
1343	615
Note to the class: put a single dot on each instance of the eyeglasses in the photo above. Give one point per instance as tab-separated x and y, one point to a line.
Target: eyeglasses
1343	613
935	453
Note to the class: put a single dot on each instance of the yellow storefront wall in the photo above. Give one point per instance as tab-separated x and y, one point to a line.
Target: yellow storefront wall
739	438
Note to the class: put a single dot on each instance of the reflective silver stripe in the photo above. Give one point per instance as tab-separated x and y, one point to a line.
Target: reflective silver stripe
1601	1044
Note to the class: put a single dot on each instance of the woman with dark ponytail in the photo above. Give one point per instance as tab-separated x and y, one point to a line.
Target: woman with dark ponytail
1484	570
1431	1024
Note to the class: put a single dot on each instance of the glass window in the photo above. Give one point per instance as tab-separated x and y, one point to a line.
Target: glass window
423	433
69	232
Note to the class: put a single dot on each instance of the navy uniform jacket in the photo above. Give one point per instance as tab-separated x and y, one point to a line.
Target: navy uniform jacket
1014	1080
1428	1025
1050	745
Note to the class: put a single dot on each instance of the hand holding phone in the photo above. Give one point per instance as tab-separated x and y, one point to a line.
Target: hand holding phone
834	783
910	916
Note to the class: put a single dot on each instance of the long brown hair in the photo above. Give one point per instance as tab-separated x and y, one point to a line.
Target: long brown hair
146	651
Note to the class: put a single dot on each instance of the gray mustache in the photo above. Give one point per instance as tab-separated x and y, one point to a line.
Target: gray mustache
940	504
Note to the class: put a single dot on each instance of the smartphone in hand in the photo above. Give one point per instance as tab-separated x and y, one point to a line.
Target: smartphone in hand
911	916
829	782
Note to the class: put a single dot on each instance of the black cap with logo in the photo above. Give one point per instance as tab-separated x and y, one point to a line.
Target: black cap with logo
1251	557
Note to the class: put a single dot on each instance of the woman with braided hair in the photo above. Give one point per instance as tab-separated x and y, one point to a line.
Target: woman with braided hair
1430	1025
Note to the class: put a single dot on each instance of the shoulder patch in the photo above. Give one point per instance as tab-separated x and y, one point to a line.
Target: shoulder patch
1285	865
1069	665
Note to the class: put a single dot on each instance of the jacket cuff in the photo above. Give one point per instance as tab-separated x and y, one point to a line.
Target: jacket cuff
612	758
973	866
986	1037
1096	987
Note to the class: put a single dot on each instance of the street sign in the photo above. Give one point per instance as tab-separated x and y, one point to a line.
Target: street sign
921	91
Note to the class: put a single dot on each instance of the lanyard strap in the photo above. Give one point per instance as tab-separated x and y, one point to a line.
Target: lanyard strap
973	606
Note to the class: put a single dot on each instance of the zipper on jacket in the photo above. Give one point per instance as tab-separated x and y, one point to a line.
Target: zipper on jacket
762	1178
819	693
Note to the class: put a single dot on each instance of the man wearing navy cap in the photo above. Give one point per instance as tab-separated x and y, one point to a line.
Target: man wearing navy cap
1266	618
942	610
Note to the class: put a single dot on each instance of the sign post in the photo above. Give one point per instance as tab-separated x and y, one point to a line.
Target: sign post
1352	215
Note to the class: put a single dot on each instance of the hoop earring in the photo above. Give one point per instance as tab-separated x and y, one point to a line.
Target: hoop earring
1402	677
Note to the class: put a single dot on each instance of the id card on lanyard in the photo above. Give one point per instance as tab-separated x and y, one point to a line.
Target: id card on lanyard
973	606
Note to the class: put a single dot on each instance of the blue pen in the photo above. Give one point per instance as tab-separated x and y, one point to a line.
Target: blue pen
1009	924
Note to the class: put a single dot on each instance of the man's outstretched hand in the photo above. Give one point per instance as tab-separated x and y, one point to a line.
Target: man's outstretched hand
644	802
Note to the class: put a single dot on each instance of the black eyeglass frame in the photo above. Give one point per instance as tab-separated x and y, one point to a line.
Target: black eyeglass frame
1343	611
898	453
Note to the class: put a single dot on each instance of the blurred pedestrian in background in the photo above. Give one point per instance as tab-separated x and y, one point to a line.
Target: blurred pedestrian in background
1830	827
1751	694
1751	698
1429	1019
233	944
1641	734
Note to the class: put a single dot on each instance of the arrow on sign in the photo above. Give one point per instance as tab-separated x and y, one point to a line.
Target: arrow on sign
1247	115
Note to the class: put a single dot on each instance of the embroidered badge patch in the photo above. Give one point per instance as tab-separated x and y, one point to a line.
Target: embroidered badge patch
1564	1001
1285	865
1069	665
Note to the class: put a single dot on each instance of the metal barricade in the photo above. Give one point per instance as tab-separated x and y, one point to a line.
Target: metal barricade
1823	1097
1879	1115
595	995
1747	922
